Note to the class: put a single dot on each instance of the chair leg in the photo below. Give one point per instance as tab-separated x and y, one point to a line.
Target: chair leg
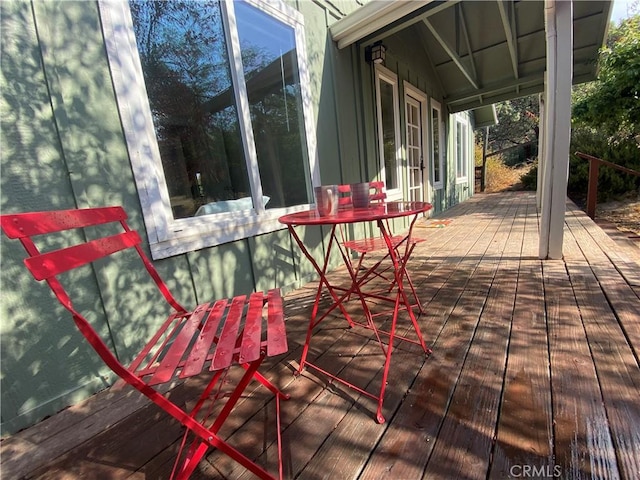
415	295
267	384
413	289
195	453
199	447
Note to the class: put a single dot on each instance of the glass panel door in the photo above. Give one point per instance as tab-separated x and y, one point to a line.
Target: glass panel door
415	163
437	144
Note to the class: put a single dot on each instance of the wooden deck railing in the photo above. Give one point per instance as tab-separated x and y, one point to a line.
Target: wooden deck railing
594	169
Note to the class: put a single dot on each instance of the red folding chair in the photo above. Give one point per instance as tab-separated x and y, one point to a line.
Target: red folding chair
214	336
364	246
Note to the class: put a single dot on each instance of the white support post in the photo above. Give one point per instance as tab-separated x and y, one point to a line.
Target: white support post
542	118
559	32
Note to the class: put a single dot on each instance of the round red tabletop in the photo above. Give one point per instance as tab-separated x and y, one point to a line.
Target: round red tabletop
353	215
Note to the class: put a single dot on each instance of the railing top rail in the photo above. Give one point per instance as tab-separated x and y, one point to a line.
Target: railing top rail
585	156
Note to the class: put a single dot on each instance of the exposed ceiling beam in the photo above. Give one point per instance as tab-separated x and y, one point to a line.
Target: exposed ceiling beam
502	85
494	98
465	34
507	15
452	53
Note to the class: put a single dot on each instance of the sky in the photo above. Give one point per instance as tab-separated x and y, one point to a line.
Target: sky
620	10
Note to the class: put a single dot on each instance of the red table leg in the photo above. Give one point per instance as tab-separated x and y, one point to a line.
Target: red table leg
338	300
339	294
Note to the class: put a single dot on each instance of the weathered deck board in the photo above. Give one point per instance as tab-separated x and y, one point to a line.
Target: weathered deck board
617	369
583	443
535	364
613	272
523	429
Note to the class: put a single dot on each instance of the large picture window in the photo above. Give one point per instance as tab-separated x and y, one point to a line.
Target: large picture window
227	135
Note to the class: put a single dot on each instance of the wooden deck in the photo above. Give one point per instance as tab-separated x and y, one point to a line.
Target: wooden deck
534	374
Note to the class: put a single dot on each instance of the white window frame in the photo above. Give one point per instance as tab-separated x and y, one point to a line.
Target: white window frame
439	184
417	95
382	73
169	236
462	163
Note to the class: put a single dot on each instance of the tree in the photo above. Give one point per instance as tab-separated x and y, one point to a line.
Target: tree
606	115
611	104
515	136
517	123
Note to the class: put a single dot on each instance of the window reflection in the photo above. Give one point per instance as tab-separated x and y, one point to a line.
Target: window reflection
270	65
185	65
388	134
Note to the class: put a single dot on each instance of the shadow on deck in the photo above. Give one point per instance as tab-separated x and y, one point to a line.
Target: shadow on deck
534	373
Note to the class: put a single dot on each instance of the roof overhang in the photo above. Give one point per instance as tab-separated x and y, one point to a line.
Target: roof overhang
372	17
485	116
481	52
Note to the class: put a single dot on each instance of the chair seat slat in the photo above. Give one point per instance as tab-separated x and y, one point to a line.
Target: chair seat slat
176	351
276	332
52	263
200	351
250	347
151	344
372	244
223	355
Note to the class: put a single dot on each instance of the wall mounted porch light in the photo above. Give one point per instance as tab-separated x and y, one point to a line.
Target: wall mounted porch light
375	53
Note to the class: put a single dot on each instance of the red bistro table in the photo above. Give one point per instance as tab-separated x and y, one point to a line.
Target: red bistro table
399	251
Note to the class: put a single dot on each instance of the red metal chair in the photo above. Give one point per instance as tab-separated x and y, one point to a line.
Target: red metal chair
369	245
214	336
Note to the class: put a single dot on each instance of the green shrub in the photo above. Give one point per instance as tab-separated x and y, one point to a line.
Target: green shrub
612	183
521	155
529	180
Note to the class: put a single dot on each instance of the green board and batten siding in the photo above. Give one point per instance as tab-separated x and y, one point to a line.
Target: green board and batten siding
63	147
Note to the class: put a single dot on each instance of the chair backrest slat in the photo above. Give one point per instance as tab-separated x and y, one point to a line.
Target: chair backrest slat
47	265
50	264
21	225
344	194
377	193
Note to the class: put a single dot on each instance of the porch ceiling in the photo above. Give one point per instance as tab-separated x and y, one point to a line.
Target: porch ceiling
481	52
